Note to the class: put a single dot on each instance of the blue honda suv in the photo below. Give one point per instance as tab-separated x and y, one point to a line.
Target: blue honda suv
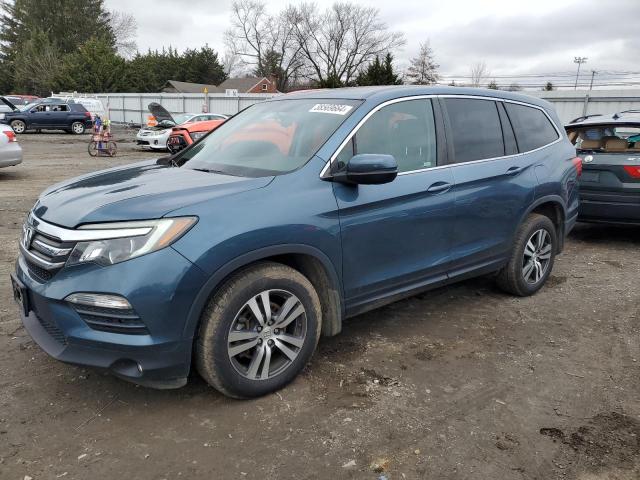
238	253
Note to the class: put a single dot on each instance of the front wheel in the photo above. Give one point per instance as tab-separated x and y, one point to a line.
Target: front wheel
93	149
532	257
19	126
258	331
112	148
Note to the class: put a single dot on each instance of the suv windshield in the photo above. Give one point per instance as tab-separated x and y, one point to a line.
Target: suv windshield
269	138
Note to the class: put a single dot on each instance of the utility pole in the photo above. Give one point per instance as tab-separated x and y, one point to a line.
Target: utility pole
579	61
593	74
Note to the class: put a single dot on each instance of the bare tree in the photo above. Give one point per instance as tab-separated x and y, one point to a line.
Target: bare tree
266	43
423	69
232	63
338	42
125	29
479	72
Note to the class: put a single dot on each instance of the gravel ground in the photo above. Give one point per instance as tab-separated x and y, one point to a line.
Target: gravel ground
462	382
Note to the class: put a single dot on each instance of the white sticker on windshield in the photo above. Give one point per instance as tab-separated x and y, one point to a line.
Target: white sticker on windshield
331	108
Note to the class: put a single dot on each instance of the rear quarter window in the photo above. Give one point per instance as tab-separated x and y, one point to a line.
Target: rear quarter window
532	127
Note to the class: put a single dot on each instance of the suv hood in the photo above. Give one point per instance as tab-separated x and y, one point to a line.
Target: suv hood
136	192
9	104
161	114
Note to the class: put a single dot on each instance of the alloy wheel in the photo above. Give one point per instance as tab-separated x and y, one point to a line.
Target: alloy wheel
78	128
537	256
267	334
18	127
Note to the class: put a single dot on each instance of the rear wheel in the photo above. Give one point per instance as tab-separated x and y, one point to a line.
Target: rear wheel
258	331
18	126
77	128
532	258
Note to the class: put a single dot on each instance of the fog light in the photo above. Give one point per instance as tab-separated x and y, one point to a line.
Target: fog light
99	300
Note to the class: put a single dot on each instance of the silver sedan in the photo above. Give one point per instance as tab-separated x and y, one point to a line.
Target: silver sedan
10	150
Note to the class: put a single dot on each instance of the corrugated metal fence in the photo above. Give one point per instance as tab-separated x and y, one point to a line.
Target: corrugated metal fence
132	107
572	104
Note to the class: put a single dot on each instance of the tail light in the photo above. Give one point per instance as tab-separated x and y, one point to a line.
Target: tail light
577	163
87	114
11	135
633	170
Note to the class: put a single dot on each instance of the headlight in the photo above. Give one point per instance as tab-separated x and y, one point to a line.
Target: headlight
156	234
1	116
195	136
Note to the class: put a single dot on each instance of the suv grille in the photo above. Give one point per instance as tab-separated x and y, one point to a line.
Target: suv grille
112	320
44	255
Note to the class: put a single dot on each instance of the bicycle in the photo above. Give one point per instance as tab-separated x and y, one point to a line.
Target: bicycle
102	145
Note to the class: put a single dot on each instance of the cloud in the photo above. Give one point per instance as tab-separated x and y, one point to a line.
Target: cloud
511	37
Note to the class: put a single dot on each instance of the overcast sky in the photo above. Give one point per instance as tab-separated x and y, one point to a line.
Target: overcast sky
512	37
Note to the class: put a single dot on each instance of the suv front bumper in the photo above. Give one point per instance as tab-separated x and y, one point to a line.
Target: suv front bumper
161	358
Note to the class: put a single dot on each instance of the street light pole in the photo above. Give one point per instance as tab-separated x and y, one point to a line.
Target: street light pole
579	61
593	74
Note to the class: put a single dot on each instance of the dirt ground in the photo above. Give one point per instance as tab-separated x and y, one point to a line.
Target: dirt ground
462	382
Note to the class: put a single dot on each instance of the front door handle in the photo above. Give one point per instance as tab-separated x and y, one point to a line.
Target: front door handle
439	187
514	170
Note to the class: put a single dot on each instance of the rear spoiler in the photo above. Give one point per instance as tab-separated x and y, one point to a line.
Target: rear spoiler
9	104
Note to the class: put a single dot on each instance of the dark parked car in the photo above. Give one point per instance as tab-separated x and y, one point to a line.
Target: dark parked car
243	249
609	146
47	114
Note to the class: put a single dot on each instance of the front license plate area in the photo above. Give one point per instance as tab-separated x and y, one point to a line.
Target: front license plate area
20	294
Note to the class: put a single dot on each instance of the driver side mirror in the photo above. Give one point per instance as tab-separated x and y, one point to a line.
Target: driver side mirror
369	169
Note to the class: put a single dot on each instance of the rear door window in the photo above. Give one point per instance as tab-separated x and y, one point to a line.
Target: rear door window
532	127
475	129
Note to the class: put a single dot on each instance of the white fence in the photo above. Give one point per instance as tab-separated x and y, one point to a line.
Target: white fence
571	104
132	107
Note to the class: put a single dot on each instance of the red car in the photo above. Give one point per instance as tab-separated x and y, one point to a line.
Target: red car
184	135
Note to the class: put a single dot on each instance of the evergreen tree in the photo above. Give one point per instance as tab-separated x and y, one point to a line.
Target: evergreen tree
548	87
62	27
38	66
269	66
379	73
493	85
95	68
202	66
423	69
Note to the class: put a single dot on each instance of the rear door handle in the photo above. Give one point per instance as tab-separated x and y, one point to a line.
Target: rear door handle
439	187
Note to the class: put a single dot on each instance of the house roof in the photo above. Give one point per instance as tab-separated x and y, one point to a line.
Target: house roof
242	84
188	87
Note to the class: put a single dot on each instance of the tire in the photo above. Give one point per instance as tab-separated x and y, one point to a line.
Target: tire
77	128
112	148
18	126
229	312
93	149
519	277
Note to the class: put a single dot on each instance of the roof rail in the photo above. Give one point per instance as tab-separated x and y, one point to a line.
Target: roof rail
584	117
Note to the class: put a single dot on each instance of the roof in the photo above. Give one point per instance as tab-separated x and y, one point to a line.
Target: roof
626	117
188	87
389	92
242	84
